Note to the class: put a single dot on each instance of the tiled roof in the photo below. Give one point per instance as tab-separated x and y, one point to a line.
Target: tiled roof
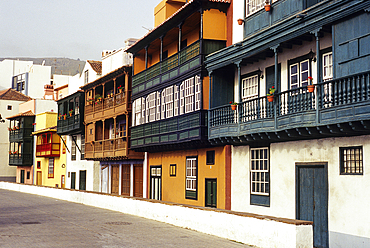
174	14
28	113
109	76
96	65
14	95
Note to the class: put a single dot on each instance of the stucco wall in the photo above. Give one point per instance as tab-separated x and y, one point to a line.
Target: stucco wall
260	231
349	199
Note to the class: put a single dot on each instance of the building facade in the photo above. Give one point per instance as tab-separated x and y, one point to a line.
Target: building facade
302	155
170	102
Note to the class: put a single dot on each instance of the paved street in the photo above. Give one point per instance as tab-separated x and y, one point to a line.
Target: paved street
35	221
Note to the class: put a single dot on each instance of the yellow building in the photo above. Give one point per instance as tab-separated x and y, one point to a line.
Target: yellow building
170	102
50	153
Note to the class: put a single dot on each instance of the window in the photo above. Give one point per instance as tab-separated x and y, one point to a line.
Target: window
82	147
51	168
158	117
260	171
298	74
28	174
9	107
189	95
165	55
351	160
191	178
86	74
210	157
250	88
327	63
198	92
73	148
253	6
38	164
172	170
176	100
169	102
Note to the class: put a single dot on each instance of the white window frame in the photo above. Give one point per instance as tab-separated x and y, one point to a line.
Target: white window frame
191	174
250	88
182	98
163	107
137	112
142	110
259	171
176	100
169	102
327	64
189	95
151	106
158	117
299	74
198	93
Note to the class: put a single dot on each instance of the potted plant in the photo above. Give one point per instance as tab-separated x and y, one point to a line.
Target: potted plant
270	95
240	21
310	86
9	129
119	89
65	116
70	112
267	6
16	127
10	152
233	105
60	116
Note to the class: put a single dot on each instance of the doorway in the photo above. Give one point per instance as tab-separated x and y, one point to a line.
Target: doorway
73	180
211	193
312	199
156	182
138	180
115	179
22	176
39	178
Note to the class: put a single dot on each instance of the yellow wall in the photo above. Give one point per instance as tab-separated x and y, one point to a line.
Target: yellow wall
165	9
173	188
139	63
58	170
45	120
212	31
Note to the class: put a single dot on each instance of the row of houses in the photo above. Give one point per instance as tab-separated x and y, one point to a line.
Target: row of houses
166	127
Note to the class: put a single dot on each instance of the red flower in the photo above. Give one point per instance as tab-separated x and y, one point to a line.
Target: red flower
230	102
272	87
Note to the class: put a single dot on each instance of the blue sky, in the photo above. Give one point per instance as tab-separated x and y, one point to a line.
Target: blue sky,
71	28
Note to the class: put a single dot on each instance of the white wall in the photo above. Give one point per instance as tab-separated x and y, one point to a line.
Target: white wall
5	169
92	167
349	198
45	105
38	77
238	13
10	68
114	60
259	231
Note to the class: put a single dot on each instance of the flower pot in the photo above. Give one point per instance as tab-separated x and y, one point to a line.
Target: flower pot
70	114
233	107
310	88
59	117
268	7
270	98
240	21
65	117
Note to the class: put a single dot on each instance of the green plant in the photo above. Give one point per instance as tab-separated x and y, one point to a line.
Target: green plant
233	103
71	111
271	91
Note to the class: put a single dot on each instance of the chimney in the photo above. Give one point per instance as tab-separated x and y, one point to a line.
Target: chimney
49	91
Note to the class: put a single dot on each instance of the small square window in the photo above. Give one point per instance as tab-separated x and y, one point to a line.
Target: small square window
172	170
351	160
9	107
38	164
210	157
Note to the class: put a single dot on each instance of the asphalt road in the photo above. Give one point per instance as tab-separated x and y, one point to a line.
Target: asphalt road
34	221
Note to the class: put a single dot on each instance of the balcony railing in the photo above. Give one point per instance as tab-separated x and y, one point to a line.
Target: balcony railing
106	106
116	147
48	150
20	159
20	134
335	101
168	64
69	123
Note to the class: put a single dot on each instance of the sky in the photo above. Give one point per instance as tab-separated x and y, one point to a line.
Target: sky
76	29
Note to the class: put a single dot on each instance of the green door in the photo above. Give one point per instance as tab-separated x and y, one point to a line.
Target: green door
22	176
211	193
82	180
73	180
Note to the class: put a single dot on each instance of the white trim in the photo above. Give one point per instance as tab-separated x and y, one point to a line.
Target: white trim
259	169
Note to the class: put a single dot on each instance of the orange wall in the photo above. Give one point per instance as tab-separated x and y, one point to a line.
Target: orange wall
173	188
165	9
192	36
206	92
139	63
214	25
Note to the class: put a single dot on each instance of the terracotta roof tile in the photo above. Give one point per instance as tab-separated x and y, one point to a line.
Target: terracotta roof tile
28	113
96	65
14	95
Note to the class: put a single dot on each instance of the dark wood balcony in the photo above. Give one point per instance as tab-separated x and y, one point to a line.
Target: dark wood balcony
172	133
71	114
107	107
110	149
21	159
187	59
338	107
19	134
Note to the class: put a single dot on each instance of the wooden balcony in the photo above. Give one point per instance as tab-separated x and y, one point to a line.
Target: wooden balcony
107	107
338	107
187	59
172	133
20	159
110	149
20	134
69	124
48	150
